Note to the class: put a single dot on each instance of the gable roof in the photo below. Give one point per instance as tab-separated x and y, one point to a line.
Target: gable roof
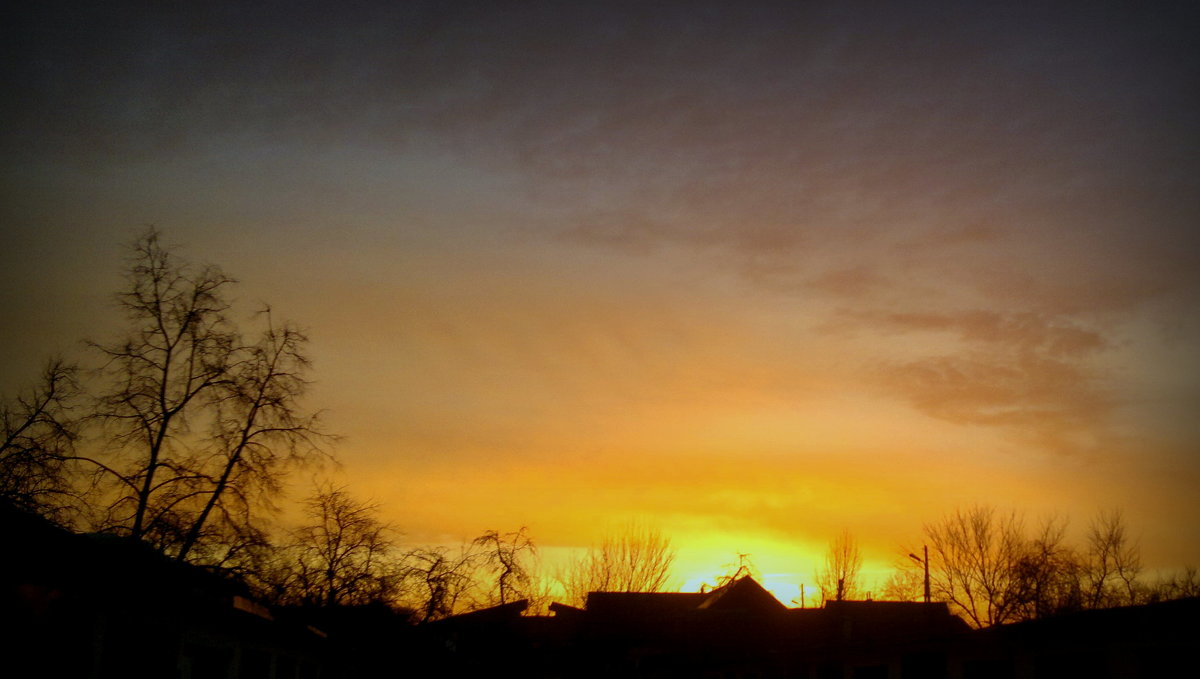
742	594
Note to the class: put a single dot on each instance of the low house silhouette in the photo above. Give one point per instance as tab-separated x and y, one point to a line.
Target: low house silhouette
739	629
94	605
75	605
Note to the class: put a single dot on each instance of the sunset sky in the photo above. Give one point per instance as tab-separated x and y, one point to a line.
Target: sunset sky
751	273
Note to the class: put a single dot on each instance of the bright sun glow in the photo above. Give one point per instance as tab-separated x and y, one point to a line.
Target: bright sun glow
784	586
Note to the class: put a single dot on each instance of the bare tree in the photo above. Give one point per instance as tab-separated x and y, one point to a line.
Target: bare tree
1113	562
258	430
637	560
1046	575
176	354
838	579
344	555
1179	585
443	580
505	555
974	555
38	431
906	582
200	423
991	571
743	567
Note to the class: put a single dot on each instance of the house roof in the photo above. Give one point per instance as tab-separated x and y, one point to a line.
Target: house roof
642	603
742	594
501	613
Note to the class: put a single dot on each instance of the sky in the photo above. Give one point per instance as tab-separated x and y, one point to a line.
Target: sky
753	273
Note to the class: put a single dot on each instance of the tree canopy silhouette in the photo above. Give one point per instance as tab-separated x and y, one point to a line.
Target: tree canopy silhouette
199	422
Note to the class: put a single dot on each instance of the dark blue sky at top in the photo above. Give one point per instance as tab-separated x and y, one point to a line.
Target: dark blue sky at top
134	79
621	123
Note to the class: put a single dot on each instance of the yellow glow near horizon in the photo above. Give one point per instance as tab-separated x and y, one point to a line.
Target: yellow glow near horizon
783	586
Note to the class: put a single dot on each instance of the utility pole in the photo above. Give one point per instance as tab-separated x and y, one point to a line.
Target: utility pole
924	562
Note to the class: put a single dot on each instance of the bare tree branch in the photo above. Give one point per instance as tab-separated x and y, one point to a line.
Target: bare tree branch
504	554
38	432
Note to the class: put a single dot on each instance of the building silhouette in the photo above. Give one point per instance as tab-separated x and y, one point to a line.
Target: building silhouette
98	606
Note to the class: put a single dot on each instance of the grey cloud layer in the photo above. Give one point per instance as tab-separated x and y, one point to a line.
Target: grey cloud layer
1043	159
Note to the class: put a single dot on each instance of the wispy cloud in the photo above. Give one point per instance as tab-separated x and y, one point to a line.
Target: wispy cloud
1026	332
1032	375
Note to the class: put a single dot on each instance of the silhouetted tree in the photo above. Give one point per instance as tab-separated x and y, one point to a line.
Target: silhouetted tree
637	560
1182	584
741	568
178	351
906	582
1046	575
441	579
986	566
258	429
343	555
505	555
200	423
974	556
38	430
1113	562
838	579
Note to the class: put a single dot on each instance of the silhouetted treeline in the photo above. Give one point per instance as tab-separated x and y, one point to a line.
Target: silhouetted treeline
993	568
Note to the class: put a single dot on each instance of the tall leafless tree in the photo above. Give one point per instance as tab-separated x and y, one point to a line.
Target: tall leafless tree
200	424
838	579
177	353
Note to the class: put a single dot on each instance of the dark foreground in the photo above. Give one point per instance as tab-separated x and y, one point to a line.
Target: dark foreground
95	606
